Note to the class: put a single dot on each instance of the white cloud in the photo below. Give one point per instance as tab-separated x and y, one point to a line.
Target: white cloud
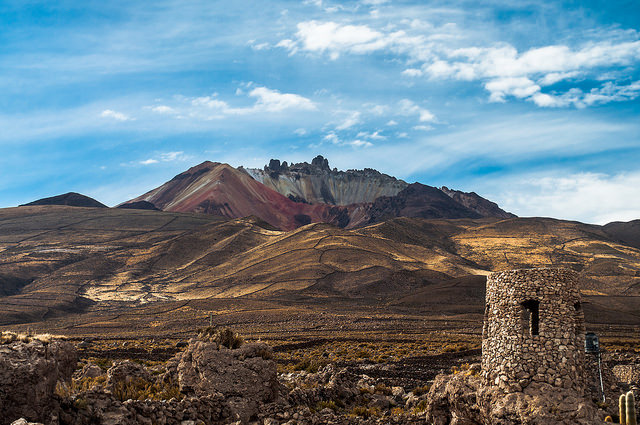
413	72
438	53
300	131
334	39
165	157
289	45
408	107
333	138
607	93
373	136
422	127
379	109
352	119
391	123
555	77
211	107
610	92
172	156
163	109
360	143
212	103
118	116
508	73
258	46
274	101
505	61
520	87
587	197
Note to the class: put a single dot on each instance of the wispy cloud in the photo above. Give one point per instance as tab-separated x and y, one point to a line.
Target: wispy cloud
352	119
118	116
408	107
163	109
334	139
165	157
212	107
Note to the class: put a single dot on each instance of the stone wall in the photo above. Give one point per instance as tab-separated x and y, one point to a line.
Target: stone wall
516	350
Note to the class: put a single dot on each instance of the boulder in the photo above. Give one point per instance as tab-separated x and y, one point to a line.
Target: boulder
245	376
88	371
125	372
29	372
462	399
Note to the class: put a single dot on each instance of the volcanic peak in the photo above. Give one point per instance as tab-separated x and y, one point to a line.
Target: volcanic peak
71	199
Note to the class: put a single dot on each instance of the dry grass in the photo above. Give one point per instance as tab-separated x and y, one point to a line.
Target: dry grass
7	337
76	386
222	336
315	357
139	389
365	411
421	407
421	390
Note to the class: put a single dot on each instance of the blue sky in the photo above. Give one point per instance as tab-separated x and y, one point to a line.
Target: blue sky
532	104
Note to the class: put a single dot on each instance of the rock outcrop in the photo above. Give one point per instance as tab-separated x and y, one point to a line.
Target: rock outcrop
462	399
317	183
246	376
29	372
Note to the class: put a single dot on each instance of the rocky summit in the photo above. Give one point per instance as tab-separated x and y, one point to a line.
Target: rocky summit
317	183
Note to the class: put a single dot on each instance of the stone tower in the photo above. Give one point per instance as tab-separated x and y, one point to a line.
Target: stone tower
533	330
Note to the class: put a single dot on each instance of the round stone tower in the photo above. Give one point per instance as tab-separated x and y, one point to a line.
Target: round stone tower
533	330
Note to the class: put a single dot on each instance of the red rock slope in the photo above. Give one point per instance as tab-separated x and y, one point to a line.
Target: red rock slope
219	189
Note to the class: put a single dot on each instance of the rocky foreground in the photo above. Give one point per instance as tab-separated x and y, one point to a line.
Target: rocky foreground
219	380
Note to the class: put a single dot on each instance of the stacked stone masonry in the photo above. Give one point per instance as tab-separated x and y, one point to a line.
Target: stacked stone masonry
534	330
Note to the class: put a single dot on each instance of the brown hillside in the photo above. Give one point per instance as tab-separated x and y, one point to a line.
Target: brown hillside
56	260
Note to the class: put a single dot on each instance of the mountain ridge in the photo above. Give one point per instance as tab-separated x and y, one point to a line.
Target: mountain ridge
290	196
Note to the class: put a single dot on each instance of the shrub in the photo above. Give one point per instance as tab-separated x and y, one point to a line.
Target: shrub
456	347
62	390
327	405
397	411
383	389
418	391
224	337
421	407
310	365
139	389
365	412
103	363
